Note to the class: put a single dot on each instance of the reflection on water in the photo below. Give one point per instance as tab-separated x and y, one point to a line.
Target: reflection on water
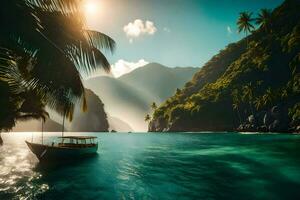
17	177
158	166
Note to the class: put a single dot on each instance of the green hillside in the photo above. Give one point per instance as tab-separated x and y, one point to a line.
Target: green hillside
252	85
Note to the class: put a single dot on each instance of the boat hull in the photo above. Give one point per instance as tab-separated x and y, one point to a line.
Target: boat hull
47	152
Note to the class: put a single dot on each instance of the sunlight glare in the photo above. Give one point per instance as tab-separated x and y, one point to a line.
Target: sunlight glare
91	7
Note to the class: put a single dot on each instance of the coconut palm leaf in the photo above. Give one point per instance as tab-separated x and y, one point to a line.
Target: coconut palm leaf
33	89
47	49
100	40
64	6
245	22
153	106
264	18
147	118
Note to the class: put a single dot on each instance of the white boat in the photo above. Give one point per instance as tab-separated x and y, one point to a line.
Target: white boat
70	147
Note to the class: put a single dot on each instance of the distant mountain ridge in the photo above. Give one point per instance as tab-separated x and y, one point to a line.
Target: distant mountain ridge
157	73
129	96
36	126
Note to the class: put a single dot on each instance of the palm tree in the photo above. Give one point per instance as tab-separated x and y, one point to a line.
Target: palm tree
268	97
147	118
245	23
284	93
258	102
178	91
264	19
24	106
153	106
45	46
236	102
248	95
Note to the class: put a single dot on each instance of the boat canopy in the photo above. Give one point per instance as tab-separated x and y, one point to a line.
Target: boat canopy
78	137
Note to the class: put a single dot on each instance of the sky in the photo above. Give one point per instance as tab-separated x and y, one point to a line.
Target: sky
170	32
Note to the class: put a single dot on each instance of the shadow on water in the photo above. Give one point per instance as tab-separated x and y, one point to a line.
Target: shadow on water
229	175
45	166
236	176
64	179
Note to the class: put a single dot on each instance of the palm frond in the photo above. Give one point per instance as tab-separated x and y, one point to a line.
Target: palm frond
87	60
47	50
245	22
26	117
82	47
264	18
63	6
84	106
55	98
100	40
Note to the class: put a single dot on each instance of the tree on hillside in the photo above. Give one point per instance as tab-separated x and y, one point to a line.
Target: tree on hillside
268	97
236	102
258	102
178	91
244	23
248	96
264	19
147	118
46	48
153	106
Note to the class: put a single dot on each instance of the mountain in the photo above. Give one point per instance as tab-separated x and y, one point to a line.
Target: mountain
94	119
252	85
129	96
121	100
158	80
36	126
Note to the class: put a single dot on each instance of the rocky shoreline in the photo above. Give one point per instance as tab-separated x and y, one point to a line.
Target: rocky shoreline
275	120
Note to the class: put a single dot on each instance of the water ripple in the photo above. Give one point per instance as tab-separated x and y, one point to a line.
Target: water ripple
159	166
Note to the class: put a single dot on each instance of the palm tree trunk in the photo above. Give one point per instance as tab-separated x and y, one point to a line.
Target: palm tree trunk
247	40
63	126
1	141
251	108
239	115
42	131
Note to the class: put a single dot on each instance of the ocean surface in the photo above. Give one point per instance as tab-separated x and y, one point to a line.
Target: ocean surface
158	166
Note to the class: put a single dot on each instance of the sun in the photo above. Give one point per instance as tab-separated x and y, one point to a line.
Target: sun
91	7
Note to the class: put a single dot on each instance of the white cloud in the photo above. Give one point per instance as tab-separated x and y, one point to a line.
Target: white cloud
229	31
122	67
139	27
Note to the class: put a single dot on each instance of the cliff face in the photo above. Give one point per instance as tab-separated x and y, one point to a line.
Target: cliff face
252	85
94	119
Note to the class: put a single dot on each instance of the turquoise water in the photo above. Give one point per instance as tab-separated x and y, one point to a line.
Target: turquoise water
159	166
